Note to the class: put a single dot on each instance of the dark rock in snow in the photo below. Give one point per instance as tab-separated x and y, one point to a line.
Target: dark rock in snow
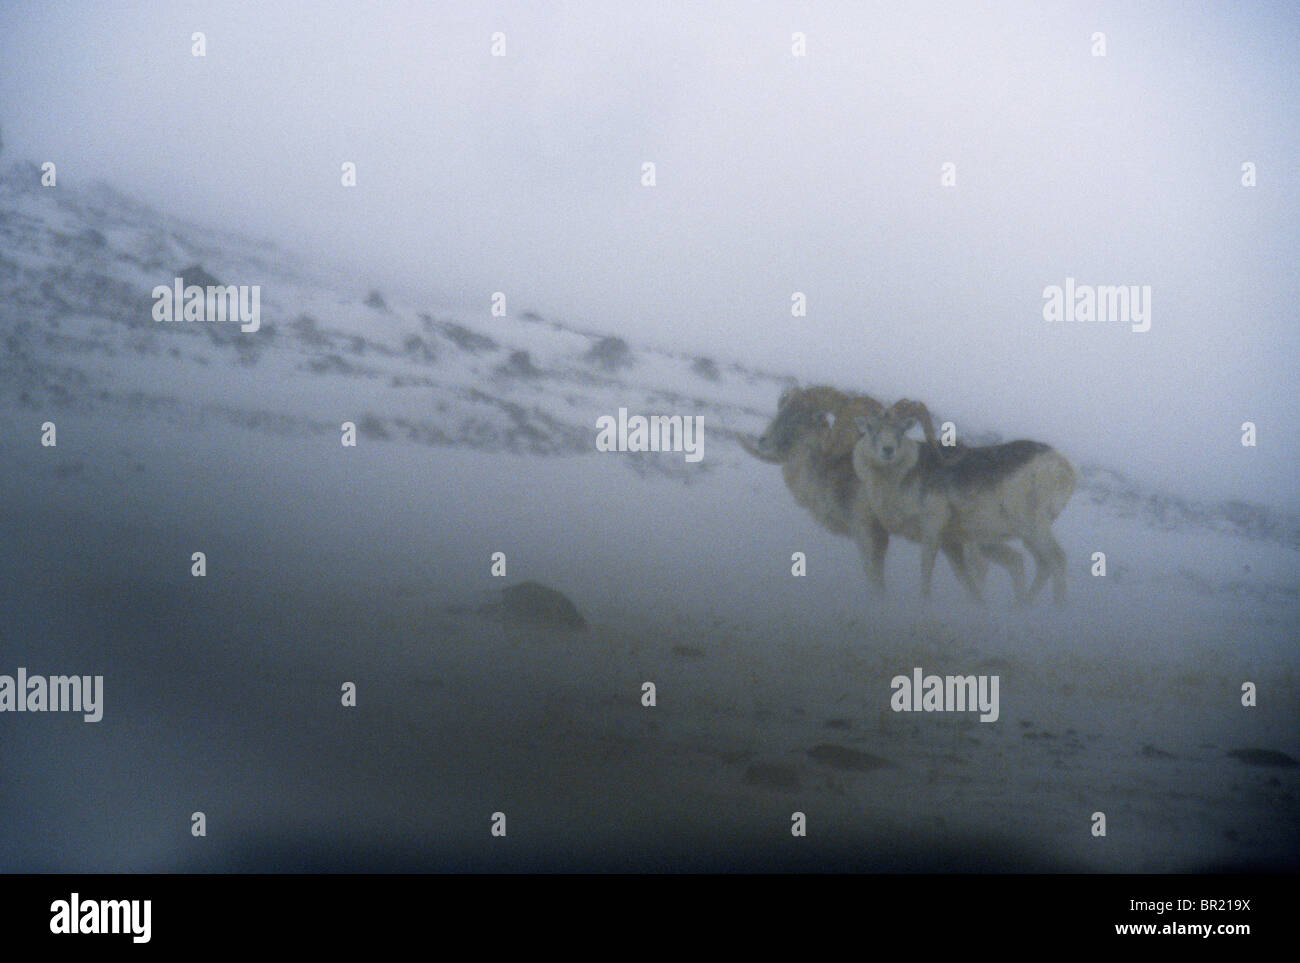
1263	757
610	353
309	331
842	757
372	426
468	340
537	604
520	365
418	348
706	368
195	274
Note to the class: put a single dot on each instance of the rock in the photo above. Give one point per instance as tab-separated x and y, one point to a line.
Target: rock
610	353
842	757
308	331
1263	757
537	604
371	426
418	348
376	300
520	365
195	274
706	368
331	364
468	340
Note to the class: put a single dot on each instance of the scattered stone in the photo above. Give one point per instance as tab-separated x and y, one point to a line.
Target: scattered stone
610	353
1263	757
418	348
1151	752
468	340
687	651
195	274
536	603
842	757
331	363
838	724
308	331
706	368
519	365
371	426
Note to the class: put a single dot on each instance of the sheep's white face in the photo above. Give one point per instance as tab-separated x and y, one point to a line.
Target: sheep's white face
884	438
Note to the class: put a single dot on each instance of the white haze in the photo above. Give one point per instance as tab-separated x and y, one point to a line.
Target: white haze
775	174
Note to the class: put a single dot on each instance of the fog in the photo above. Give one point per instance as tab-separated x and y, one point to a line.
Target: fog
774	174
368	555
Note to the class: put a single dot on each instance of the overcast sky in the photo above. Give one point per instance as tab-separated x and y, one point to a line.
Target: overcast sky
775	174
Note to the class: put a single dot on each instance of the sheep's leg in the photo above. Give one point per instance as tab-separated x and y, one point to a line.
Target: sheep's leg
1058	578
1047	557
879	545
929	549
1013	562
955	552
872	550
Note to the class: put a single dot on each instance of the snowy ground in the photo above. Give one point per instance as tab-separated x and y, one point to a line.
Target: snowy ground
371	565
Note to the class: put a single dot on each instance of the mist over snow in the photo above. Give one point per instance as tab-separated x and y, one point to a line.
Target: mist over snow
476	433
775	174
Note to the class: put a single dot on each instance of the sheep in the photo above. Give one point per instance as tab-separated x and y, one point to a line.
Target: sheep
818	470
982	494
841	440
824	484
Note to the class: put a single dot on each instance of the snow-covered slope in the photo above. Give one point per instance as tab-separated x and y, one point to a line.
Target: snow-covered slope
477	435
77	268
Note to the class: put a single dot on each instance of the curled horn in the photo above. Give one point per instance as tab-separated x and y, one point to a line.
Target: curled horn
915	409
845	434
